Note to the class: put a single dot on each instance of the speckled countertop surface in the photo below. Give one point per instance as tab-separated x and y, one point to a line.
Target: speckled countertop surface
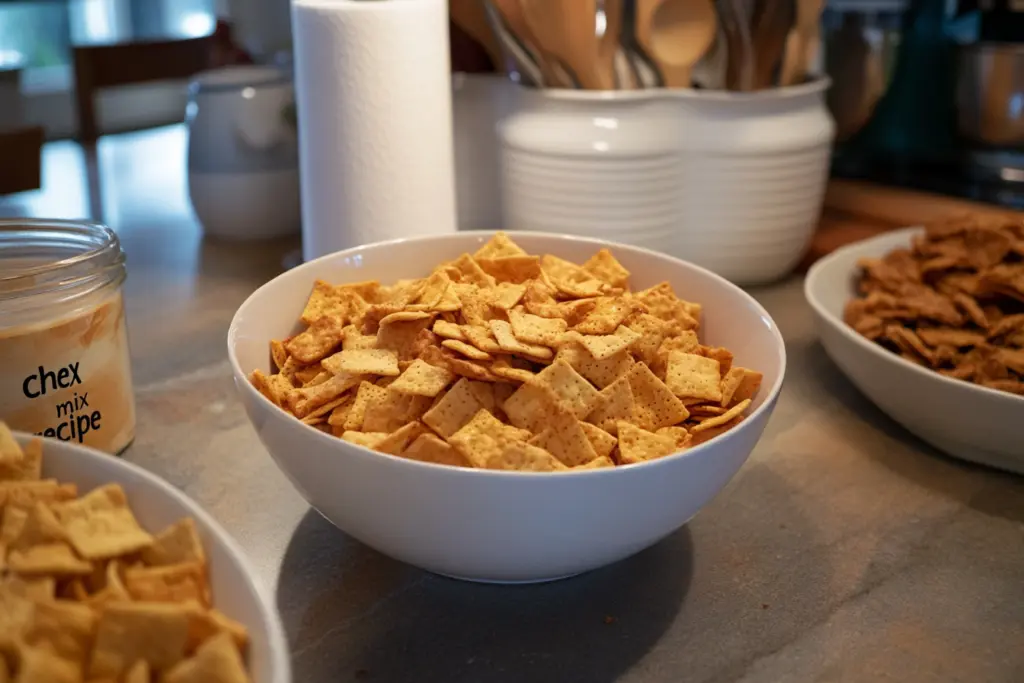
844	550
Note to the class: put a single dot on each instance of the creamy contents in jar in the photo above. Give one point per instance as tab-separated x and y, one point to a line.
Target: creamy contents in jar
70	378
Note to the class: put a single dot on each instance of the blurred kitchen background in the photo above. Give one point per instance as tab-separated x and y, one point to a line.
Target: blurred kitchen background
925	94
37	38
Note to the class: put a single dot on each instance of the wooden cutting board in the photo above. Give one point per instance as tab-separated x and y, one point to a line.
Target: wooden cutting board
857	210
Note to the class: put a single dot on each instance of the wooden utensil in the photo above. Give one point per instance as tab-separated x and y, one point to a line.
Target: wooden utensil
675	34
470	16
511	14
739	67
567	34
803	42
772	22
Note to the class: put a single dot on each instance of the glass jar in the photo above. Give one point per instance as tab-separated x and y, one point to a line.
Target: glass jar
65	369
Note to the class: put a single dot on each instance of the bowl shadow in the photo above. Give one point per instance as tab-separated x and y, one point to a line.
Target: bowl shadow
994	492
352	614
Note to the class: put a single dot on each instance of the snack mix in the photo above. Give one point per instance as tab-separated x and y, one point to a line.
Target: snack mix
506	360
88	595
953	302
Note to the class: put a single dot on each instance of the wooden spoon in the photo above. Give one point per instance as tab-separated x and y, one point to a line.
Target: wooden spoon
803	42
567	33
675	34
512	15
470	16
772	21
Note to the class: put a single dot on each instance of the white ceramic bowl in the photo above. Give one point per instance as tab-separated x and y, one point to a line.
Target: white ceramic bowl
492	525
959	418
157	504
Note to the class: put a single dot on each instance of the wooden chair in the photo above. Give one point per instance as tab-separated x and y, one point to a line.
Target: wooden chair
105	66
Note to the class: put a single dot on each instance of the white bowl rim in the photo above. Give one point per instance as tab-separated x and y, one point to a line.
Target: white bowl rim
280	653
242	377
815	274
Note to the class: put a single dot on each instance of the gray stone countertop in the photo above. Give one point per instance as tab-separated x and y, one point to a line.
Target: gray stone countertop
844	550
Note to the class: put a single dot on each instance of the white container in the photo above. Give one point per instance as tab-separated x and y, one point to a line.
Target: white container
755	166
594	164
478	102
733	182
492	525
243	165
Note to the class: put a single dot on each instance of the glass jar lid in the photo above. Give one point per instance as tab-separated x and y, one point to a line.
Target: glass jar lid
61	261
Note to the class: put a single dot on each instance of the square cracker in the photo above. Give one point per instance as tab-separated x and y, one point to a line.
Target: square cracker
655	405
485	437
430	448
524	457
514	269
482	338
652	331
317	341
723	419
394	410
454	410
602	442
693	376
367	395
565	439
508	342
616	404
639	445
606	317
53	559
597	463
177	543
571	389
529	406
128	632
606	268
423	379
363	362
29	467
467	350
601	372
498	246
216	661
534	329
366	439
506	295
397	441
505	370
604	346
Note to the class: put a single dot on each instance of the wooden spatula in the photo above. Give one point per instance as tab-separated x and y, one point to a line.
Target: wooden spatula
675	34
567	33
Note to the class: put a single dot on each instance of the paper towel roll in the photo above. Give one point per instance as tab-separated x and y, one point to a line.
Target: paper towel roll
373	94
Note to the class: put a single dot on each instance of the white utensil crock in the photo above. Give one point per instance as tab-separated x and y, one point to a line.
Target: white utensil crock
595	164
730	181
243	168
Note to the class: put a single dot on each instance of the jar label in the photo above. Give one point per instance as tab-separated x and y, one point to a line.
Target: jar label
71	380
